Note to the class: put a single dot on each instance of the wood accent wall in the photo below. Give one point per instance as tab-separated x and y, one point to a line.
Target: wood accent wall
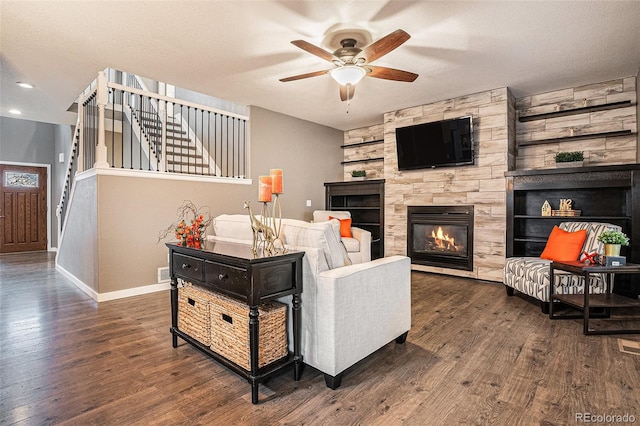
496	133
481	185
374	169
597	151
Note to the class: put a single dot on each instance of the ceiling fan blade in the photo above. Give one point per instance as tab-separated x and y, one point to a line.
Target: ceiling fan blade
315	50
301	76
390	73
383	46
344	96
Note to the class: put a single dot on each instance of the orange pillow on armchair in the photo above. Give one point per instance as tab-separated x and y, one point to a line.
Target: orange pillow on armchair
564	246
345	227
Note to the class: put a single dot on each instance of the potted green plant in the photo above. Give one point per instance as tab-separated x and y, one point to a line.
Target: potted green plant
612	241
358	175
569	159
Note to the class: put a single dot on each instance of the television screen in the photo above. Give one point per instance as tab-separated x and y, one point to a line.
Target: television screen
441	143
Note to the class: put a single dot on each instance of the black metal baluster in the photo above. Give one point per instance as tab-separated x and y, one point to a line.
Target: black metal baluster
215	141
226	173
233	147
208	142
131	98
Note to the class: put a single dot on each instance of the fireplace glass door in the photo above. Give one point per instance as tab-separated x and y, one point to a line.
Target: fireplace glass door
441	236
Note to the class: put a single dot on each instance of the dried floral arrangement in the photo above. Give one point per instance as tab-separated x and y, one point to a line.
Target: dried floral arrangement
190	226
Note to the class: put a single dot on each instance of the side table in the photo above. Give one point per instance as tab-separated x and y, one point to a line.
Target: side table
234	271
586	300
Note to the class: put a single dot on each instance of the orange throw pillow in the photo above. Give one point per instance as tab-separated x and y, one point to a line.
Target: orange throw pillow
345	227
563	246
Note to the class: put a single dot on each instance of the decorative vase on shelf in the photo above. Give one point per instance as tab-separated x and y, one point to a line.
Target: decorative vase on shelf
612	249
567	164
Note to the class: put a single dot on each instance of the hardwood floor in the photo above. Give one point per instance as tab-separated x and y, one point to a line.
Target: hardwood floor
473	356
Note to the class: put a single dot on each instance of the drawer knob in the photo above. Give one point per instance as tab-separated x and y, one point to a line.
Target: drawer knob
222	277
186	266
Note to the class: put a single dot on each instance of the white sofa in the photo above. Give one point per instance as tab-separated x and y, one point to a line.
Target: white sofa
359	246
347	312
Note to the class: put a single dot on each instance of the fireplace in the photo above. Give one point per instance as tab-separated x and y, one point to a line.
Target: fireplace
441	236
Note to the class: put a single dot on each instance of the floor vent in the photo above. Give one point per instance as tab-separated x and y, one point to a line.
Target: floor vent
163	275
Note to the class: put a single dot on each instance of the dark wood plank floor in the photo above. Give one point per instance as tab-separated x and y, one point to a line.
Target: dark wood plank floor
473	356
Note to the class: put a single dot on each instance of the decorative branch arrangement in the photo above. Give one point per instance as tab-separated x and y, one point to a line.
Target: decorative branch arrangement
190	226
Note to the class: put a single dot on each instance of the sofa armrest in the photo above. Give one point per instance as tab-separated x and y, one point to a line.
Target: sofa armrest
359	309
364	237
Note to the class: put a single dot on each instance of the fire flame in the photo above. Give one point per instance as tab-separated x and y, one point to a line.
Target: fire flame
443	240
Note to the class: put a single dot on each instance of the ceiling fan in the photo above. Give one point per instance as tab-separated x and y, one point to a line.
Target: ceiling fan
352	63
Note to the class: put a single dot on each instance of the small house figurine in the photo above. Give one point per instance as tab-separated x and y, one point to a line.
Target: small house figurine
546	208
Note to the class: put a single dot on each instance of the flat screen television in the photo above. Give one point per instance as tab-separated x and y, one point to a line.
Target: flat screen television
436	144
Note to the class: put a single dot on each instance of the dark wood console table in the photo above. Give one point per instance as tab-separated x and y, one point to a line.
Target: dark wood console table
231	269
586	300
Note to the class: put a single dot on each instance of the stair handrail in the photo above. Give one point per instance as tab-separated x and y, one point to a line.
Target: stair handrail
177	102
68	180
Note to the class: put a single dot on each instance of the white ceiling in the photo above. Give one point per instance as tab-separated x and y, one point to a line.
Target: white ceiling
238	50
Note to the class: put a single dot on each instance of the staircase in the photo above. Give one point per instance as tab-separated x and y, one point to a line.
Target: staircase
128	128
182	155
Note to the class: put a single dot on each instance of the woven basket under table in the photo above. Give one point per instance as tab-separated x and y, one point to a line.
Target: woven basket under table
193	312
230	331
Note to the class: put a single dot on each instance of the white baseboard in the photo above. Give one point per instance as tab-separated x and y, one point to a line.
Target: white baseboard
135	291
78	283
112	295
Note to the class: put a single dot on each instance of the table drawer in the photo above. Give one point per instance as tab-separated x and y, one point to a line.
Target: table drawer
188	267
227	277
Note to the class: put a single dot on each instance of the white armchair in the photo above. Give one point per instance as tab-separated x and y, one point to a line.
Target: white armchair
359	245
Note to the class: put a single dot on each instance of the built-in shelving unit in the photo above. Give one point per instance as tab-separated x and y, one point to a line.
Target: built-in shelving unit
365	201
608	194
524	116
531	115
363	160
352	145
568	138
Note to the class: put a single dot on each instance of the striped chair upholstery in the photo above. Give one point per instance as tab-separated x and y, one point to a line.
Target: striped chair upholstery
530	275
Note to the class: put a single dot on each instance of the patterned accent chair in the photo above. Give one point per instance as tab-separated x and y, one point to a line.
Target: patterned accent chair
530	275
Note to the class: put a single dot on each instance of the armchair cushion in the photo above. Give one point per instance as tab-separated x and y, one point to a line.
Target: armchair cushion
358	245
345	227
563	245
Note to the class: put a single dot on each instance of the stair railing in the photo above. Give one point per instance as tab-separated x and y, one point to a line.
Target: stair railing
193	139
72	166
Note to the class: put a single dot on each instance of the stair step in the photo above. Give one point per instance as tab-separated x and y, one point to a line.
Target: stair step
177	152
156	131
197	160
189	170
171	144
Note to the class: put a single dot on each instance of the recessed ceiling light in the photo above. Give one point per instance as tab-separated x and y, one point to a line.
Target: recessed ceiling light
15	111
25	85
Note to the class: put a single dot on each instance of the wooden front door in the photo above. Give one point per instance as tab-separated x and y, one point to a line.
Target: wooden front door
23	208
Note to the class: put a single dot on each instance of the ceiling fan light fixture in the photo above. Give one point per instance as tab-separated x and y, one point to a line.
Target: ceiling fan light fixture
349	74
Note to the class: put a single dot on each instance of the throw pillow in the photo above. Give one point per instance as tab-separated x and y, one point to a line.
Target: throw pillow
345	227
563	246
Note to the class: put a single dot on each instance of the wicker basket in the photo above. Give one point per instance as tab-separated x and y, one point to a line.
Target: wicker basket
230	331
193	312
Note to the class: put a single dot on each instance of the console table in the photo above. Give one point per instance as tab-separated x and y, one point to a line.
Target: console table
232	269
586	300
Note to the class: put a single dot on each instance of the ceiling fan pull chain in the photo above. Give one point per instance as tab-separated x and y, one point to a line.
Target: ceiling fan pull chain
348	97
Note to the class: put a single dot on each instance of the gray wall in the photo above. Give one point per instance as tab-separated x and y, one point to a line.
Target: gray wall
309	154
25	141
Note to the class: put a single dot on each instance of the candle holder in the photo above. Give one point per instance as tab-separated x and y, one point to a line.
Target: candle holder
266	230
277	225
